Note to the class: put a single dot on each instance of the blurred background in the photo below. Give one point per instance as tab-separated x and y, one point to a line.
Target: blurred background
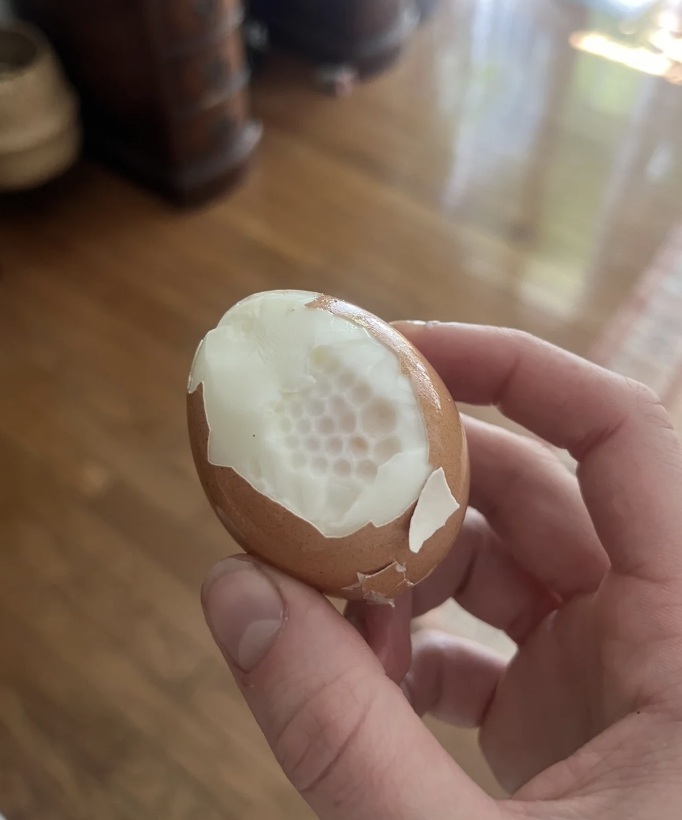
512	162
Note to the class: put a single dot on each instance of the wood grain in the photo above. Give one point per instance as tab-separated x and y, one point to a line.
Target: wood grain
467	183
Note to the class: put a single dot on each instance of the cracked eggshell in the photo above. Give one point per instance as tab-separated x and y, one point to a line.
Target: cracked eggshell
372	563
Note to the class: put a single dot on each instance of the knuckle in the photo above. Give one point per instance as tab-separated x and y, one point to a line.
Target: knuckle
529	344
648	403
533	461
312	746
538	451
525	338
523	451
521	337
640	392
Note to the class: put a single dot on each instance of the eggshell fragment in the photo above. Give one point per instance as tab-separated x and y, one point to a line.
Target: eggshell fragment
435	505
317	467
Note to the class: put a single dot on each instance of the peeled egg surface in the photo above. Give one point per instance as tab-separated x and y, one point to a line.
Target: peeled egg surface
327	445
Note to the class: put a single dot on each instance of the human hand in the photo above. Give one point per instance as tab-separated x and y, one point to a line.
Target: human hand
584	574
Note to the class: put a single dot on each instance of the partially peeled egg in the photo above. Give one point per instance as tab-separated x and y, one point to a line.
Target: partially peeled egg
327	445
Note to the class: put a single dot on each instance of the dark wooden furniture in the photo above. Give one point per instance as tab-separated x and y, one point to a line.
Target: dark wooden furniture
164	86
367	34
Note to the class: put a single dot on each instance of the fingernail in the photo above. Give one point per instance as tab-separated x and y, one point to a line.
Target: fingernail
244	611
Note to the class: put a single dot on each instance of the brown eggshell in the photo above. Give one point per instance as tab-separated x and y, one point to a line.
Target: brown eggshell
374	563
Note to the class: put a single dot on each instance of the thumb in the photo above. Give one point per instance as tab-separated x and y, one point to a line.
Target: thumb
342	731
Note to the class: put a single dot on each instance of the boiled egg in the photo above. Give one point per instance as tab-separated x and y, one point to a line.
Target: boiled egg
327	445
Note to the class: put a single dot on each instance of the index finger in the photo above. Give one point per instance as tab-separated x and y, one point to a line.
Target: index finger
630	459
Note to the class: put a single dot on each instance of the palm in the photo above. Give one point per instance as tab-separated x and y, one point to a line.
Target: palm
582	669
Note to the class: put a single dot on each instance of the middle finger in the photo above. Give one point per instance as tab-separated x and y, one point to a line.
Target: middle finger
534	505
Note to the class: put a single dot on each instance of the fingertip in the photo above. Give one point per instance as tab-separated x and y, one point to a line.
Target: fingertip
386	629
354	613
452	678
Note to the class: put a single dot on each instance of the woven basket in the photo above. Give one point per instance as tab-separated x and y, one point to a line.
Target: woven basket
39	130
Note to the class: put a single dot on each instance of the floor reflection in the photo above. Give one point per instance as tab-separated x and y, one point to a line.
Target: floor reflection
572	158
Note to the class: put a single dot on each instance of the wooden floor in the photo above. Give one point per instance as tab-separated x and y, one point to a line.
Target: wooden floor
495	175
